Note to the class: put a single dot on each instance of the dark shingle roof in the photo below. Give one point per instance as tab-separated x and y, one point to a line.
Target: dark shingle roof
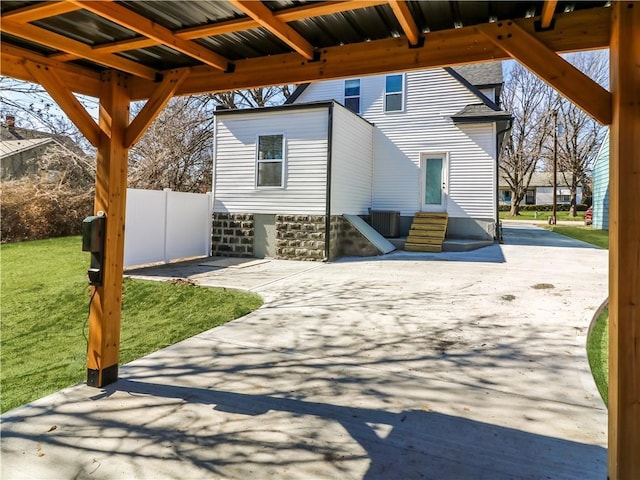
478	112
482	74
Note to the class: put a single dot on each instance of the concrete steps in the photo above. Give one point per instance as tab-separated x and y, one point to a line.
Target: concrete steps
427	232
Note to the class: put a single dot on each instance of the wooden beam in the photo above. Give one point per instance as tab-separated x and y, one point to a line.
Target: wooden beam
111	188
82	50
624	245
76	78
315	9
261	14
581	29
548	9
408	24
139	24
66	101
551	68
38	11
164	92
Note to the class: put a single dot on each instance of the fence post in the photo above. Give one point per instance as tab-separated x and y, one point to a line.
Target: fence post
208	240
165	228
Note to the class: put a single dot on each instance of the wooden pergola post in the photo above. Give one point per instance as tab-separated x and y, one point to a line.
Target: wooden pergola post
111	189
624	245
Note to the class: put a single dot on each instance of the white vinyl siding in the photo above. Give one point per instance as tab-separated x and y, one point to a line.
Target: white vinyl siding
305	132
472	190
601	187
352	163
544	195
431	97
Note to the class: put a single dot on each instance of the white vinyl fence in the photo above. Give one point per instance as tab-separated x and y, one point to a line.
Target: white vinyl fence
162	225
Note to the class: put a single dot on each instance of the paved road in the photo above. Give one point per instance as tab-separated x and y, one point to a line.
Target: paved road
442	366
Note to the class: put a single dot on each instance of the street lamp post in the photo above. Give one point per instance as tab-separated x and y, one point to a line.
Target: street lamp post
552	220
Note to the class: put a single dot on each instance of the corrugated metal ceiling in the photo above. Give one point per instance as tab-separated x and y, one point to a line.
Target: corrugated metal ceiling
361	25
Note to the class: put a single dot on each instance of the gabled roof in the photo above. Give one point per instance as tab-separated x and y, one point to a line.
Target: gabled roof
544	179
482	74
12	147
19	133
480	113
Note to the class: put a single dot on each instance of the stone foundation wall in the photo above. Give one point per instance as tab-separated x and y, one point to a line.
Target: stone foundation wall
233	235
300	237
346	241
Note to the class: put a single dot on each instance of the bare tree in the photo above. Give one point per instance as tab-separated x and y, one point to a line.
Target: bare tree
36	110
528	99
579	135
176	150
254	97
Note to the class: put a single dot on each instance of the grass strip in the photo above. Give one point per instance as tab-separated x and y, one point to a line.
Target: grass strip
542	215
44	308
590	235
597	352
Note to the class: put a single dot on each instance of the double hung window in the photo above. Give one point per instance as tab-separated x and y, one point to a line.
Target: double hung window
270	161
352	95
394	93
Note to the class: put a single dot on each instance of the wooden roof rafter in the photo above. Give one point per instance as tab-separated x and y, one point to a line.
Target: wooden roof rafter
261	14
446	47
56	41
236	25
548	10
39	11
79	79
143	26
408	24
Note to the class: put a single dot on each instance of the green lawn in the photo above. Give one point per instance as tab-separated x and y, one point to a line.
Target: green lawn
44	308
542	216
590	235
597	351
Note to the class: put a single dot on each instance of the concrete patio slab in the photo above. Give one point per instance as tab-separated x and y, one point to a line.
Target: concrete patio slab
460	365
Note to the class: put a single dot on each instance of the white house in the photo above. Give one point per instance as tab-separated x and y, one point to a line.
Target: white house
540	190
421	141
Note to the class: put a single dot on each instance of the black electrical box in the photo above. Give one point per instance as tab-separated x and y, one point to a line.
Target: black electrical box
93	232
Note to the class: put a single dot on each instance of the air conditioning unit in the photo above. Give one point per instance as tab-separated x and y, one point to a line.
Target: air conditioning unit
386	222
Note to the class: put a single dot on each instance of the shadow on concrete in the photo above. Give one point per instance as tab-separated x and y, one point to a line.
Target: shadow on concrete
409	444
490	254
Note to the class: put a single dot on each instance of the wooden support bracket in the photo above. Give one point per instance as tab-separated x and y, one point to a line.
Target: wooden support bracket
550	67
66	100
161	96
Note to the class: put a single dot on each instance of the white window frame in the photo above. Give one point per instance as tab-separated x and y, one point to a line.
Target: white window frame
359	96
401	93
283	160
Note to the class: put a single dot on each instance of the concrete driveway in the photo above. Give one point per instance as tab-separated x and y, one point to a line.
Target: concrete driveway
440	366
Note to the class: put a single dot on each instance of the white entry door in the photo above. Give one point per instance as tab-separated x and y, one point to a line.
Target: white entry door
433	170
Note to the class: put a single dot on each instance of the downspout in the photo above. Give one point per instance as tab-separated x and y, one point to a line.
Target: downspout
327	224
498	147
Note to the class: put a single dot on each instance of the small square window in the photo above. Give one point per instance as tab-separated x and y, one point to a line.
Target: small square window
269	171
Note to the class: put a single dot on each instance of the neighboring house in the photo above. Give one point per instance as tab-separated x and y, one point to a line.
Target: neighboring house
540	190
20	149
421	141
600	219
